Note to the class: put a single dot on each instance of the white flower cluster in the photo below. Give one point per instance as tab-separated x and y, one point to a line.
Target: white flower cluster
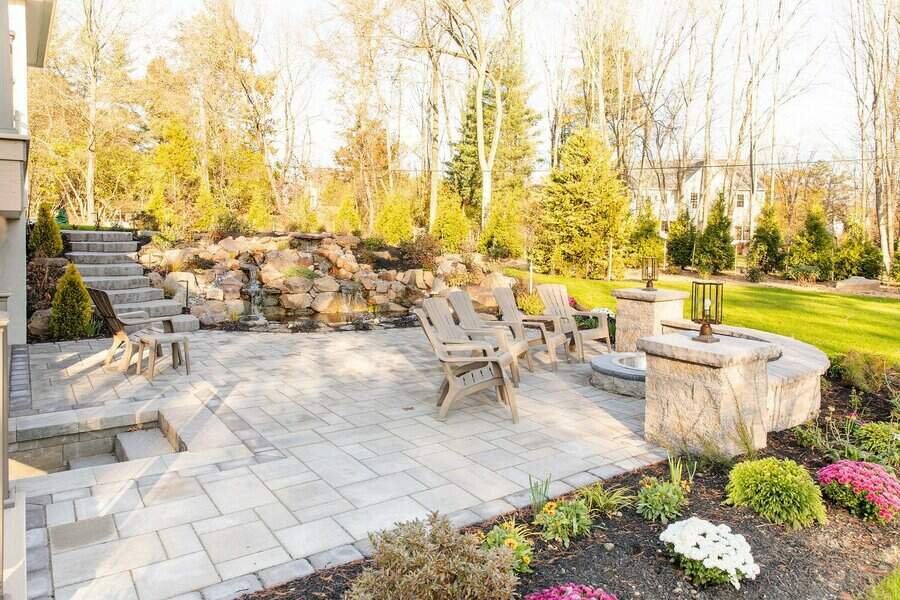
714	545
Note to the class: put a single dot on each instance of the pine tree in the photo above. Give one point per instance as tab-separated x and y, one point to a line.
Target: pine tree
857	255
766	251
715	251
347	219
644	240
394	221
259	213
583	220
812	249
451	227
502	236
681	240
45	239
70	312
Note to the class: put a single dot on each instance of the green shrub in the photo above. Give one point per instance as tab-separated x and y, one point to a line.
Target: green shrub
861	370
296	271
561	522
421	251
605	501
228	224
812	248
755	274
857	256
766	251
501	237
802	274
394	221
887	589
895	267
881	438
433	561
460	279
45	239
715	252
374	243
347	219
530	304
71	310
451	226
659	500
515	538
644	239
681	240
144	221
781	491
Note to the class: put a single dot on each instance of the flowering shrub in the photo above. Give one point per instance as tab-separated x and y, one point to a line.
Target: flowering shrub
882	439
867	490
778	490
512	536
571	591
709	554
563	521
659	500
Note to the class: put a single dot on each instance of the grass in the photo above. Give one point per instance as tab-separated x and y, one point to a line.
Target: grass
887	589
832	322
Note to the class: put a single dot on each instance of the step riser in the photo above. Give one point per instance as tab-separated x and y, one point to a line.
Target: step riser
158	308
101	258
104	246
135	295
117	283
98	236
114	270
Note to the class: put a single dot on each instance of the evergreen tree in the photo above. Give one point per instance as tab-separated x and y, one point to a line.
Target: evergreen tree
502	236
259	213
644	239
451	226
71	310
516	153
45	239
347	219
583	220
857	255
715	252
766	252
813	248
681	240
394	221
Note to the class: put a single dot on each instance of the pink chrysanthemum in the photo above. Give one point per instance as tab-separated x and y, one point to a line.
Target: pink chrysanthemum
869	482
571	591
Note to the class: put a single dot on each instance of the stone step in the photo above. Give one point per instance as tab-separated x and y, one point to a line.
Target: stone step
144	443
97	236
116	282
94	460
153	308
130	296
111	270
104	246
101	258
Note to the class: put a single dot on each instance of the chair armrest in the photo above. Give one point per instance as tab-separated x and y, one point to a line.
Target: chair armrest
543	319
497	334
517	328
474	345
587	313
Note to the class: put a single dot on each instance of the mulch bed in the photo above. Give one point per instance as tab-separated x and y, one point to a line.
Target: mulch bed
838	560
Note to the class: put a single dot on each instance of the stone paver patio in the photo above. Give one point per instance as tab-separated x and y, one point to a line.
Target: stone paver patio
296	447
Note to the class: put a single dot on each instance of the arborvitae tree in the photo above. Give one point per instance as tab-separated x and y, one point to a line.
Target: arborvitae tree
259	213
766	252
582	225
715	251
516	153
813	247
681	240
45	239
70	312
502	236
857	255
347	219
451	226
394	221
644	239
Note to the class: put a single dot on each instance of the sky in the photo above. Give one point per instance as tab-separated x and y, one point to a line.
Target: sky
817	124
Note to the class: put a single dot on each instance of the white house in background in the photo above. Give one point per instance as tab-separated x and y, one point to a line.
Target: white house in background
745	204
27	25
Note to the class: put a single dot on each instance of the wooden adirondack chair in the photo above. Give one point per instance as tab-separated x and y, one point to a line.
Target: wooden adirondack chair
556	303
117	324
469	366
549	327
510	335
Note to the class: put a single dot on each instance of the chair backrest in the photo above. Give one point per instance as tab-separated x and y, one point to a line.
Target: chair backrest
440	317
430	333
506	301
465	311
555	298
105	309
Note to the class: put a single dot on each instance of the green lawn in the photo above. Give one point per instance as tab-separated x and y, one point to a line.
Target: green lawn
832	322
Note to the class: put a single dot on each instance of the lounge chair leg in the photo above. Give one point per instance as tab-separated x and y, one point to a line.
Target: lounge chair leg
186	359
529	360
126	357
445	406
511	401
514	371
442	392
116	342
554	361
151	368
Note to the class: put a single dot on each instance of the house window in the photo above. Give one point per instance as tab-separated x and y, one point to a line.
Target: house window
664	226
740	201
695	199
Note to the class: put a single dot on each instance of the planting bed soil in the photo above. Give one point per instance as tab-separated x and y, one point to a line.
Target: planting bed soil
837	560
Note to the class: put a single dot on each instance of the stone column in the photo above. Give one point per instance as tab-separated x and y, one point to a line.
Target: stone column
640	313
703	395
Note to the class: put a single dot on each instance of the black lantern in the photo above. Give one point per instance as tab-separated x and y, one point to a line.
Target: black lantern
706	307
650	272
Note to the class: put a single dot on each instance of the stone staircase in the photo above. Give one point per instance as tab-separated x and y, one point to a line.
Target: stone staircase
107	260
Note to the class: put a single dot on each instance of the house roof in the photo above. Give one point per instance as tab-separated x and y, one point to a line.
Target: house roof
38	23
649	177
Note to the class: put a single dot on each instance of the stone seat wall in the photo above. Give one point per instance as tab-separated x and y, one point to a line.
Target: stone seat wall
794	379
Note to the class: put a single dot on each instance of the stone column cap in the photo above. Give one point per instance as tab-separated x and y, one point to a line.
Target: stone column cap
726	352
642	295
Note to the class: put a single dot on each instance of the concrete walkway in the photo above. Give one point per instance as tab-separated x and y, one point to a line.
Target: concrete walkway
295	448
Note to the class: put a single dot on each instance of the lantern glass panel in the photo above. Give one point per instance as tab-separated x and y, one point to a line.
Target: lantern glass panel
707	301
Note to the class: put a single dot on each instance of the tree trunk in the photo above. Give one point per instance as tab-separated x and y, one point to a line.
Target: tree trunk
90	174
204	143
433	142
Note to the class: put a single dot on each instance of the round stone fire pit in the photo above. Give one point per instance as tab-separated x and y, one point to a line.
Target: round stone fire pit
620	373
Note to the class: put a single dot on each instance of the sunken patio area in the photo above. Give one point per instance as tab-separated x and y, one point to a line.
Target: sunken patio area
287	450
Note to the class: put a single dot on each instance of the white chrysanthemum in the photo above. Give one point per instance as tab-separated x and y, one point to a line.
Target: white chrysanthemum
713	545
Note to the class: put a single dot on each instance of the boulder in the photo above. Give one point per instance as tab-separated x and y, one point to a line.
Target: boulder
297	285
230	246
326	284
382	286
215	293
270	274
296	301
235	308
481	296
156	280
174	257
177	281
496	279
39	324
327	302
389	275
391	307
858	284
281	260
210	312
347	241
439	286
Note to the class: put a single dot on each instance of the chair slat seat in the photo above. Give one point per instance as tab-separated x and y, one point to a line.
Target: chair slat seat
556	304
540	330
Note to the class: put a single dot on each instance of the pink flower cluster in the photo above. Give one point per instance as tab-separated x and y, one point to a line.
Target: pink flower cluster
866	479
571	591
